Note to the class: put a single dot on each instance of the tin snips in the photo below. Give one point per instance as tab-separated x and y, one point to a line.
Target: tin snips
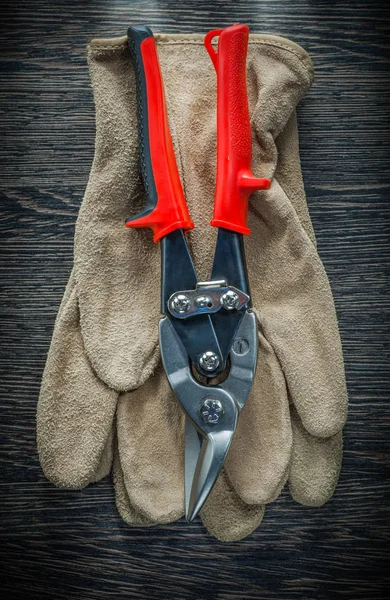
208	328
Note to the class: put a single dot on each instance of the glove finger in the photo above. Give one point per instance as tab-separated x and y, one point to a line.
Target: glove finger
150	429
258	460
288	173
315	465
276	84
75	410
126	510
106	459
292	294
226	516
116	268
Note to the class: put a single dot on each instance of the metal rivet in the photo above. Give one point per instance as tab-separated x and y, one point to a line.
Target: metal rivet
180	304
240	346
211	411
209	361
229	300
203	302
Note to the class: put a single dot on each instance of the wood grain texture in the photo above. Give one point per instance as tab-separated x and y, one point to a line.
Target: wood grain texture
60	544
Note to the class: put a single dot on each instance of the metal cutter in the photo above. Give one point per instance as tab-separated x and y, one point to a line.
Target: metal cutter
208	334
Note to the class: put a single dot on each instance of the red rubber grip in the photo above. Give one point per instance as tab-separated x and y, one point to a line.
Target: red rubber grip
170	211
235	180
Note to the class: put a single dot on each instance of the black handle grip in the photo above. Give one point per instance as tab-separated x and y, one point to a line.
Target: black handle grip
136	35
166	208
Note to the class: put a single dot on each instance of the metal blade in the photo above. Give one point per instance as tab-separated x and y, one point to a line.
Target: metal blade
191	454
211	457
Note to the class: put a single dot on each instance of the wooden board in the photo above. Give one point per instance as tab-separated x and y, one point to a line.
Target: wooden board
61	544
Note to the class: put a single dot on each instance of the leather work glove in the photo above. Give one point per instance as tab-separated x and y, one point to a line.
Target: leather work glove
104	391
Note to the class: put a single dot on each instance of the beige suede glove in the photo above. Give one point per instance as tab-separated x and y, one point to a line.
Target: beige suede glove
104	358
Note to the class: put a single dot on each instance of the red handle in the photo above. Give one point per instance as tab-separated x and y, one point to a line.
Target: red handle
235	180
167	209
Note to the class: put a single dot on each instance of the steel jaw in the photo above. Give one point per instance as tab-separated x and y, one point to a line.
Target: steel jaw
211	411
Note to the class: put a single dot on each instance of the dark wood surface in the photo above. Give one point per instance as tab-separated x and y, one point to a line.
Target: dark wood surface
63	544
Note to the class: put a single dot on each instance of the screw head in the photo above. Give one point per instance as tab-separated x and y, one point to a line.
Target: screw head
203	302
211	411
180	304
229	300
209	361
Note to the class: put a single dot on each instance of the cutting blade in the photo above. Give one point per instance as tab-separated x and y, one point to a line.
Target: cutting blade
204	461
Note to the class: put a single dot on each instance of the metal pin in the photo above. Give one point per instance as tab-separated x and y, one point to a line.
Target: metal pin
180	304
203	302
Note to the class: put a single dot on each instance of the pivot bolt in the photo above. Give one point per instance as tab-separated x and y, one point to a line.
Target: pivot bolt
229	300
209	361
211	411
203	302
180	304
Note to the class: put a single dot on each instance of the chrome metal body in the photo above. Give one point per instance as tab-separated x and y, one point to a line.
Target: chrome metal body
207	443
